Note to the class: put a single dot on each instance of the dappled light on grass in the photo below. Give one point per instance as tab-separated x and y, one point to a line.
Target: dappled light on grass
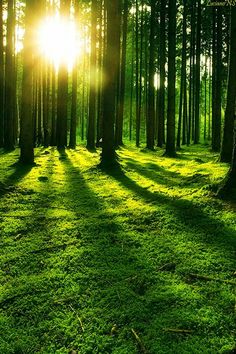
87	250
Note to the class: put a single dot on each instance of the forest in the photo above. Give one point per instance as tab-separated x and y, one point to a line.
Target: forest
117	176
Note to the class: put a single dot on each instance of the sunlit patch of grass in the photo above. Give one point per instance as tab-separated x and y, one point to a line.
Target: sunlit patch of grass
87	255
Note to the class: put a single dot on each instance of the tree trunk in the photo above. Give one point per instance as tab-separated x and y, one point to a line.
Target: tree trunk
121	101
151	92
1	78
227	145
111	66
137	73
27	127
9	142
73	120
183	77
170	143
198	76
92	88
62	93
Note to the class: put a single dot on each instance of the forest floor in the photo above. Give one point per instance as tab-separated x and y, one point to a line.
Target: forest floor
139	260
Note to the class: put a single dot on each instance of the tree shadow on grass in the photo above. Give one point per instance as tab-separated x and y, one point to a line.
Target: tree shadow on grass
162	176
189	214
19	172
101	281
115	276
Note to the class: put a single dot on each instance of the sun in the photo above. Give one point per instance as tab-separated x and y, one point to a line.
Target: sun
59	41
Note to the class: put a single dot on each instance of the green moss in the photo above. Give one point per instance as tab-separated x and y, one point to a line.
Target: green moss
84	251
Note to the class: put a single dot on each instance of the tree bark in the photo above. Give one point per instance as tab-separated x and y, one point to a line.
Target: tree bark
227	145
111	67
170	143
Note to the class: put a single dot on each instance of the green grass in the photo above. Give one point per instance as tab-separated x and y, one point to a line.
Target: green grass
88	257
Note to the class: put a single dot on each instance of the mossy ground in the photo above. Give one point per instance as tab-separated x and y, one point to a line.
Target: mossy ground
89	258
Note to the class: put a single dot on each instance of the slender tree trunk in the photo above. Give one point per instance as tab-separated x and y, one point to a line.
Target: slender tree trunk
99	74
209	98
191	75
93	86
1	78
227	145
151	92
137	73
161	109
121	102
45	105
54	109
131	84
216	133
62	92
205	98
198	75
214	73
111	66
183	75
39	100
27	126
73	120
9	142
170	143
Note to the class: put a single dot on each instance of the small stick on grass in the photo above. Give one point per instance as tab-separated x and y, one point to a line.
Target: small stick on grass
207	278
138	340
178	330
80	321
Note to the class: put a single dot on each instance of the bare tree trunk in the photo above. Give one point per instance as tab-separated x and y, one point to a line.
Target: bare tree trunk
111	67
227	146
93	86
9	143
151	92
27	126
1	78
170	143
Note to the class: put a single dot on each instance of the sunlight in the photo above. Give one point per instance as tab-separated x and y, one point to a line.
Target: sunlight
60	41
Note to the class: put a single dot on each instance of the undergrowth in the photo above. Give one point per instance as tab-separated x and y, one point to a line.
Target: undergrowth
140	259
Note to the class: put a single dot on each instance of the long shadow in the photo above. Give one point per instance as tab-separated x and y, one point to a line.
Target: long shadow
102	280
186	211
34	286
19	172
112	261
172	179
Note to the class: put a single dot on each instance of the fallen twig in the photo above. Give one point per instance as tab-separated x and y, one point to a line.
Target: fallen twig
138	340
178	330
207	278
80	321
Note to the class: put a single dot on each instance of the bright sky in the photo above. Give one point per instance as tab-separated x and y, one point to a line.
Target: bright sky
60	41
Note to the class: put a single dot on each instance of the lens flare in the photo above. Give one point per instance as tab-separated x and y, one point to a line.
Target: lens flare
59	41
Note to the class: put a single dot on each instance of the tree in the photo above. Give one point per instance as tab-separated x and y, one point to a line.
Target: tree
217	78
197	77
230	181
9	142
111	66
62	93
151	91
27	127
170	143
1	78
227	144
121	96
183	101
92	86
162	61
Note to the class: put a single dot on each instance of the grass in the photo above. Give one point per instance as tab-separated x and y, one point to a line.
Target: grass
96	262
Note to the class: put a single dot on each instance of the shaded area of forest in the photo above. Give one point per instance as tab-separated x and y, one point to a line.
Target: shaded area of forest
112	263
